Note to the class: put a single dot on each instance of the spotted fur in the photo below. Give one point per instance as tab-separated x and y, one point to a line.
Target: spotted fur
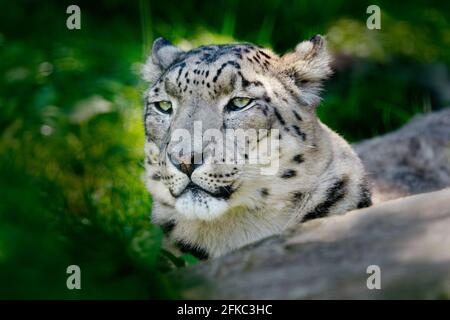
213	207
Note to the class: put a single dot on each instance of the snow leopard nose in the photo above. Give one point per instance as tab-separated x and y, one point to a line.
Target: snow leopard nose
186	163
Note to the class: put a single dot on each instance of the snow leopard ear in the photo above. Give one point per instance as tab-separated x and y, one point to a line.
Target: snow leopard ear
307	66
310	61
164	54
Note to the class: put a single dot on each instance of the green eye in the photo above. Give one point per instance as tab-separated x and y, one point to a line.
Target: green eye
239	103
164	106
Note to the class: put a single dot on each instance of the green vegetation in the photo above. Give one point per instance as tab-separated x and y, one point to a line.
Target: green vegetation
71	137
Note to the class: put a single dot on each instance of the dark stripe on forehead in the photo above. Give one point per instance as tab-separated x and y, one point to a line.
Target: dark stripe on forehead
246	83
181	66
231	63
171	88
210	54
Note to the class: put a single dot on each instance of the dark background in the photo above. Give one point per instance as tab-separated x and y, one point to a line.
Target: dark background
71	135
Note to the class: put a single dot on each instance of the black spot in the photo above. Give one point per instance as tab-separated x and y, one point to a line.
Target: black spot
289	173
335	193
299	132
224	192
156	177
298	158
168	227
264	110
297	197
300	82
297	116
279	117
365	199
196	251
264	54
264	192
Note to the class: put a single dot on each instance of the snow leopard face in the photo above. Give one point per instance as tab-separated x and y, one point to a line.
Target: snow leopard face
240	87
216	117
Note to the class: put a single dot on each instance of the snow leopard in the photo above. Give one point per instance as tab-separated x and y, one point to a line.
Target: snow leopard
208	206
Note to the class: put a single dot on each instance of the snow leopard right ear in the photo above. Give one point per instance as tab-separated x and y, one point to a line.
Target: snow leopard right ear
308	66
164	54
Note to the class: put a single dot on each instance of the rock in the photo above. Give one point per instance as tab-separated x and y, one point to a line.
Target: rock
414	159
408	238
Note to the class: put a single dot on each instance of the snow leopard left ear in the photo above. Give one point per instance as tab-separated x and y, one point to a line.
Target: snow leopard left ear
308	66
164	54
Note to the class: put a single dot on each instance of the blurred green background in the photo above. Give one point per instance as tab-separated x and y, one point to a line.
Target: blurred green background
71	135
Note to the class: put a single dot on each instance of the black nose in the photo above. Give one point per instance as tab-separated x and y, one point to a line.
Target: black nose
186	163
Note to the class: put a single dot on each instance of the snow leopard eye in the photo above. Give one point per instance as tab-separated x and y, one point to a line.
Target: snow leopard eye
163	106
239	103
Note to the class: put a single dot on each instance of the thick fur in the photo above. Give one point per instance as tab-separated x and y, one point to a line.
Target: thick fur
234	205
